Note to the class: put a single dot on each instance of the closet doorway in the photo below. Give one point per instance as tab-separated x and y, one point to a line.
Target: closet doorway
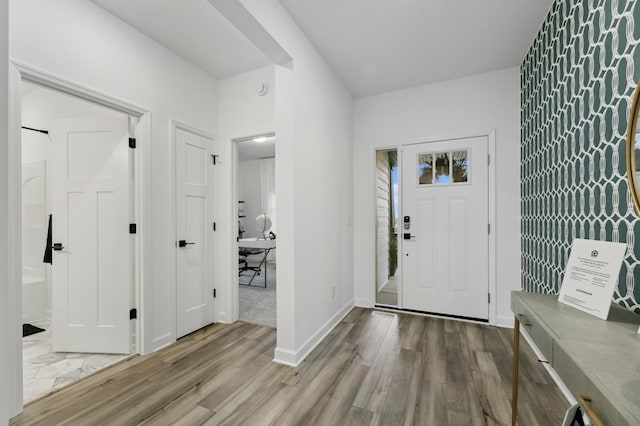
77	252
257	228
194	232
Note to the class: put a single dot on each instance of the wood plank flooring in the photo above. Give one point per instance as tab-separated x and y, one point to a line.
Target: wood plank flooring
370	370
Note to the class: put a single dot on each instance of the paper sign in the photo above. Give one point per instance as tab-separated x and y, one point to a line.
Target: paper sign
591	275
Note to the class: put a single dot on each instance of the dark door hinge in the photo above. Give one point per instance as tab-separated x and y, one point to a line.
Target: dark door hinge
214	293
488	228
214	226
133	314
214	158
132	143
489	297
133	229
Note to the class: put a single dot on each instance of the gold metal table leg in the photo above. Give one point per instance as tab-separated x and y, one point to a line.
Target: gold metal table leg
262	262
585	403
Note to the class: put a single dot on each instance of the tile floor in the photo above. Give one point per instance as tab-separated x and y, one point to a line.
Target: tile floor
45	371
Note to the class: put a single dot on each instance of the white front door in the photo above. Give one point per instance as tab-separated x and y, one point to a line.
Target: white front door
91	264
194	298
445	227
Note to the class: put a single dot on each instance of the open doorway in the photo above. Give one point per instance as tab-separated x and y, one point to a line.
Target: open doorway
257	228
78	255
387	227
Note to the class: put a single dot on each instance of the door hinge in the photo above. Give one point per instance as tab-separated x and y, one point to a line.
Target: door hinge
214	159
489	298
214	293
488	228
214	226
133	314
133	229
488	159
132	143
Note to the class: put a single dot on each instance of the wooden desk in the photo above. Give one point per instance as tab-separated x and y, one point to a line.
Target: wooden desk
598	360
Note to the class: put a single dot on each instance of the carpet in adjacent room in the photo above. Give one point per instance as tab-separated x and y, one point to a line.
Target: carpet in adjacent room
258	304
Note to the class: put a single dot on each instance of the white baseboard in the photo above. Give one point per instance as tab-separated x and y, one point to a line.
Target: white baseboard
162	342
293	359
223	318
362	302
505	321
285	357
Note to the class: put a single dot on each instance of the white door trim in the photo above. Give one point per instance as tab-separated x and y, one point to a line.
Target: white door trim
491	136
175	124
373	232
234	312
19	71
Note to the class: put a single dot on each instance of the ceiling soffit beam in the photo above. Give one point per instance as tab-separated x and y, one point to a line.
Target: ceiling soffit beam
248	25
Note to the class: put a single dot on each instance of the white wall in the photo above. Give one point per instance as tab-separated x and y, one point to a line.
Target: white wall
7	409
241	113
80	42
467	106
314	189
35	212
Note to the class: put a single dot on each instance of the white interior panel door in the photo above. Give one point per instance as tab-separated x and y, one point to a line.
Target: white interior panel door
194	298
445	220
91	265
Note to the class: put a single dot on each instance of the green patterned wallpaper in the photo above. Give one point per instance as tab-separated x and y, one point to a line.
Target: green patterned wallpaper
577	83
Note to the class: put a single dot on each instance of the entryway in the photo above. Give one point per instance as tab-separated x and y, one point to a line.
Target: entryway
78	250
257	228
442	227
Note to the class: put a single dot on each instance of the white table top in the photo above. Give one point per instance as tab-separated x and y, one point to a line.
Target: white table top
256	243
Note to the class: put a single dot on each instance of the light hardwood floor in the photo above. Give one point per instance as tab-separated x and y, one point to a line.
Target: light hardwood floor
370	370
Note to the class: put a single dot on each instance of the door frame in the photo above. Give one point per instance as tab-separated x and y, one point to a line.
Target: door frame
213	263
142	261
491	140
374	244
234	139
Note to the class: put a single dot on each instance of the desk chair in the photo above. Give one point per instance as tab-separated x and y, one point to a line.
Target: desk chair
243	253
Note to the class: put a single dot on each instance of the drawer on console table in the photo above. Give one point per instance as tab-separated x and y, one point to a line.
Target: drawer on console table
581	385
531	324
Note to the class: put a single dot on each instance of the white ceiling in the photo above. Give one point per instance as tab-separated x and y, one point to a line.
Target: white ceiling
374	46
194	29
377	46
250	150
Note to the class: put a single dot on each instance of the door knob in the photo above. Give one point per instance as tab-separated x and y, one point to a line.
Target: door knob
183	243
57	246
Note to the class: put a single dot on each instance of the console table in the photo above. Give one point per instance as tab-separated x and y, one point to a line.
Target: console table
598	360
